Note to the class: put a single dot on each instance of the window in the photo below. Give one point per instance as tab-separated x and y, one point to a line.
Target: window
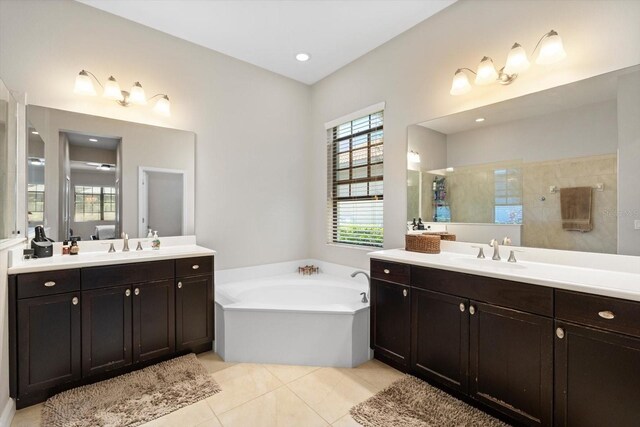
35	202
355	189
508	196
94	203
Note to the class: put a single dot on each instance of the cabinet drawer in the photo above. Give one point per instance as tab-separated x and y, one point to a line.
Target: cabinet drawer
390	271
602	312
48	283
505	293
194	266
126	274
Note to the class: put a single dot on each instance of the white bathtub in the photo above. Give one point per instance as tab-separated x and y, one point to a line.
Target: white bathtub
292	319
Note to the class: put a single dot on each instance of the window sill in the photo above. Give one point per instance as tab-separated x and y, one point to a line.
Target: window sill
359	248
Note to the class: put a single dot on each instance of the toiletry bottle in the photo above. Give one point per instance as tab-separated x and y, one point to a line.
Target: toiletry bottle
414	225
150	234
74	249
65	247
155	244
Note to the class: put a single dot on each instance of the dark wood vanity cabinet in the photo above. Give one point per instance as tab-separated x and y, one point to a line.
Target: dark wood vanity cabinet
391	314
72	327
597	361
488	339
440	338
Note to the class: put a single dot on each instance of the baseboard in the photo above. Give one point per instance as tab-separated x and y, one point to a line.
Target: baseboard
7	413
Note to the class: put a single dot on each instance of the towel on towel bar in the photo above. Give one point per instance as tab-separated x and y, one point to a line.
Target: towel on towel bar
575	208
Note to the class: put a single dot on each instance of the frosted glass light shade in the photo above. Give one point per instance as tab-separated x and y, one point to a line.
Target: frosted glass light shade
486	73
84	85
137	96
112	90
460	84
163	106
551	49
517	60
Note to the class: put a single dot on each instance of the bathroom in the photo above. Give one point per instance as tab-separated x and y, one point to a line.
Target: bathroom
248	102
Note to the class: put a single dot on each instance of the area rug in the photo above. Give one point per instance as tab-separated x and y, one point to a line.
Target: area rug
134	398
410	402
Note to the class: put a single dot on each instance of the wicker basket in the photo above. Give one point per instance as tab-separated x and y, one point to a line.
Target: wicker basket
428	244
443	235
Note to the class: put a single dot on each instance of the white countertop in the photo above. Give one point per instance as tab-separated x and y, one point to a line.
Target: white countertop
183	249
610	283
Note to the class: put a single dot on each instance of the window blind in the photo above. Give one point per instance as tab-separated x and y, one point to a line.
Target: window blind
355	153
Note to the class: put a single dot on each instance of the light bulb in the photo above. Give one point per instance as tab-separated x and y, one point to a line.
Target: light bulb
487	73
551	49
137	96
460	84
163	106
112	89
517	60
84	85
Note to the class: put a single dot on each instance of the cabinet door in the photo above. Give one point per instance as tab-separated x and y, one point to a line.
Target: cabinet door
154	321
391	322
106	329
48	341
511	362
597	377
440	338
194	313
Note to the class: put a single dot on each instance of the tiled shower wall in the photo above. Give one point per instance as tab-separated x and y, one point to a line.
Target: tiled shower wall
471	196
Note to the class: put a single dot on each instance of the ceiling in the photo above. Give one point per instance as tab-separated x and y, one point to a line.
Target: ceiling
102	143
270	33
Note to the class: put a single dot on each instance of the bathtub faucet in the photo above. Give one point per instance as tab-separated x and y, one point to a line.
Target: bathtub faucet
364	295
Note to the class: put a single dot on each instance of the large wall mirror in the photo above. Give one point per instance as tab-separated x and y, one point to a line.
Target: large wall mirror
8	164
556	169
93	178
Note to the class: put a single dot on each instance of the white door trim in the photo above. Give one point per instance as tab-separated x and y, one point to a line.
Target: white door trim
143	199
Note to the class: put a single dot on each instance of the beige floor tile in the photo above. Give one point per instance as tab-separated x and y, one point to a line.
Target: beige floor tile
241	383
212	422
189	416
213	362
331	392
288	373
346	421
377	374
278	408
28	417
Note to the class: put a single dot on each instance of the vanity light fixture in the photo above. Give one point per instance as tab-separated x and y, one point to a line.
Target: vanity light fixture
111	90
413	157
551	51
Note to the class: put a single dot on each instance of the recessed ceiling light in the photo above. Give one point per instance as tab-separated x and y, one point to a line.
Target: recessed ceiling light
480	119
93	140
303	57
449	169
34	132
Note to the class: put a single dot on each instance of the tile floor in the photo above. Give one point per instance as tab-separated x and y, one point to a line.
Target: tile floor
270	395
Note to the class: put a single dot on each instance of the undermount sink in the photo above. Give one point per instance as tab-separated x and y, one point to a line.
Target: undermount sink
489	263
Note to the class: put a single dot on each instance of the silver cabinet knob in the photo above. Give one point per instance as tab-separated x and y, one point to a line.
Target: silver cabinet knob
50	284
195	266
179	285
137	291
560	333
386	271
472	309
404	292
606	314
127	292
74	301
462	307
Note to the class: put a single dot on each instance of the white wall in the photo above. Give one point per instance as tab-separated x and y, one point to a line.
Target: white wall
165	202
589	130
628	164
413	72
249	122
430	145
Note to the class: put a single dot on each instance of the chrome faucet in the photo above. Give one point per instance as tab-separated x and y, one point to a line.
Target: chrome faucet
496	249
365	295
125	238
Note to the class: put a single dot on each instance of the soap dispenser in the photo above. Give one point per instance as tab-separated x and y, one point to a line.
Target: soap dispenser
155	244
